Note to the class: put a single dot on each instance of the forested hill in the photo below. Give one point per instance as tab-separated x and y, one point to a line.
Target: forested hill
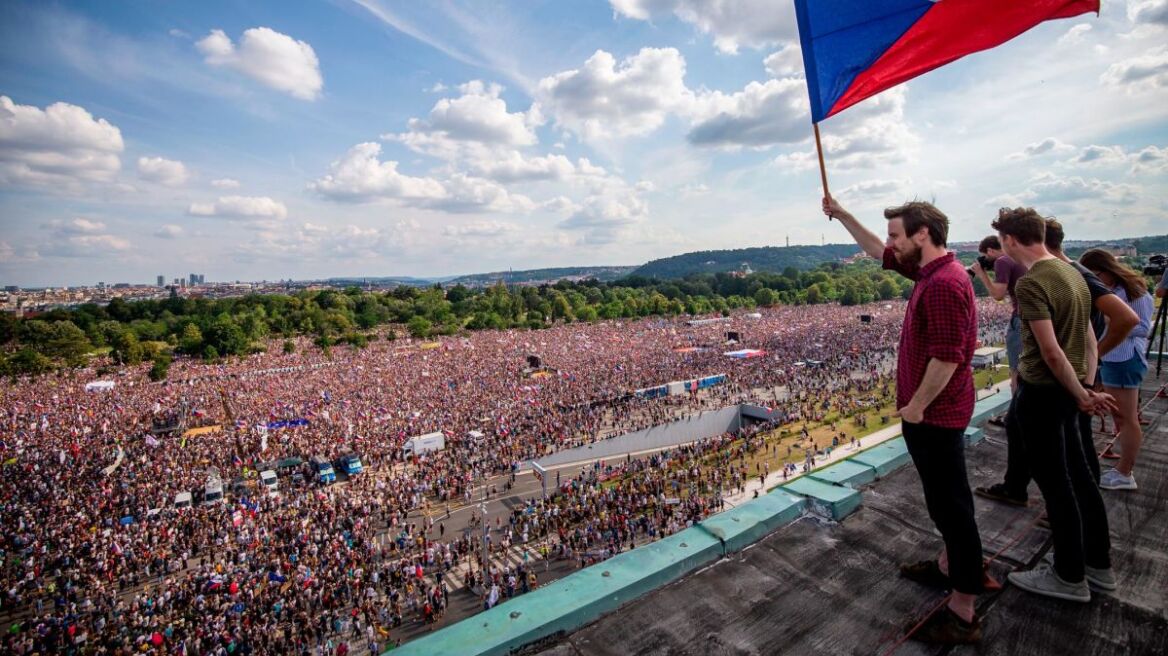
767	258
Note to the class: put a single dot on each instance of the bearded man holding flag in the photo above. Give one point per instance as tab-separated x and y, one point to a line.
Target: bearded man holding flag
852	50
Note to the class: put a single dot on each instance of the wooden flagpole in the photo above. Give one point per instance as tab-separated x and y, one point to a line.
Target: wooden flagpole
822	168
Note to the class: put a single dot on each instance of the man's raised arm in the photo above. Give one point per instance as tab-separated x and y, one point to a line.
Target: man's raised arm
868	240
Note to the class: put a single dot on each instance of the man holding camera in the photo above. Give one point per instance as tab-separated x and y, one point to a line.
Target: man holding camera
1006	275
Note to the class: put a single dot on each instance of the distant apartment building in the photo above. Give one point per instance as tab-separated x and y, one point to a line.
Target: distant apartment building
161	281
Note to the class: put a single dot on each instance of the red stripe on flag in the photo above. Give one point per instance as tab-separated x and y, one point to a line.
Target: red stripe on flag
950	30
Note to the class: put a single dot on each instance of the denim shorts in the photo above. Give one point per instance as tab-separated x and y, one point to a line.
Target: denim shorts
1124	375
1014	342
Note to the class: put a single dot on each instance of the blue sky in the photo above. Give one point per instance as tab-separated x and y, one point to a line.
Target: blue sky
265	140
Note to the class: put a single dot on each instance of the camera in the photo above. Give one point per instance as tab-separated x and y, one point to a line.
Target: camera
1156	265
987	264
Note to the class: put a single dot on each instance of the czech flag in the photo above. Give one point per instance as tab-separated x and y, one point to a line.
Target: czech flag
854	49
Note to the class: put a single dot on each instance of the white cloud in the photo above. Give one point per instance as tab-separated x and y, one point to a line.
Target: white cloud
876	191
1049	145
360	176
60	145
480	115
10	254
77	226
787	62
605	215
1047	189
269	57
1151	12
606	99
1075	35
80	237
762	114
480	229
871	134
1100	156
801	160
85	246
317	243
732	23
167	172
1150	160
169	231
465	193
247	207
1148	71
225	183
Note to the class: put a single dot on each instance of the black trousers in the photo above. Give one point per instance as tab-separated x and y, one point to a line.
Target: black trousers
1018	471
1047	419
939	456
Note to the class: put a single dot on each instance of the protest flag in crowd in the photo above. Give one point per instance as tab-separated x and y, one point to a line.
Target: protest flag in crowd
854	50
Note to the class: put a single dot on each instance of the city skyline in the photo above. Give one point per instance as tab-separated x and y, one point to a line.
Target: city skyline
372	138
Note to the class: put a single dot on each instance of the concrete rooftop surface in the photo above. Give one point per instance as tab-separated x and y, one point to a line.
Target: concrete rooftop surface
815	586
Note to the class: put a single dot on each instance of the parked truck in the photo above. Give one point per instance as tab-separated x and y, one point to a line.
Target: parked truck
350	463
424	444
323	470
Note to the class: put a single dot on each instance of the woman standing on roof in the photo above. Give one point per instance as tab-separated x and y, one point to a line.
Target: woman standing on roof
1124	366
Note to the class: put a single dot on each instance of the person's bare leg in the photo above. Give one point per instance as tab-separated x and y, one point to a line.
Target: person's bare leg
1131	435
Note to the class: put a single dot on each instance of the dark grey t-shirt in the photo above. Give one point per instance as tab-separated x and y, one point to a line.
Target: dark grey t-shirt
1097	289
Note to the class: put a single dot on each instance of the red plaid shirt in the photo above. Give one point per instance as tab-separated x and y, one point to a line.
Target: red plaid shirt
940	322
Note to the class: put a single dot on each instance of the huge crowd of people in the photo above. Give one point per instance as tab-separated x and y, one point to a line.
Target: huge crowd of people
86	545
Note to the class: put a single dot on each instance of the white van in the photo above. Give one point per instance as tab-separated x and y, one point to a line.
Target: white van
268	478
182	500
213	491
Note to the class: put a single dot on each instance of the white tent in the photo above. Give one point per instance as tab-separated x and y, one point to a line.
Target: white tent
99	386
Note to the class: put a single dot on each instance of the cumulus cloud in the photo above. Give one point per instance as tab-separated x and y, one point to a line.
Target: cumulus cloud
787	62
604	98
273	59
876	191
1075	34
479	115
313	242
169	231
872	134
225	183
85	246
1049	145
731	23
1150	159
61	145
80	237
77	226
762	114
1048	189
1141	73
360	176
480	229
606	214
167	172
1148	12
241	207
1100	156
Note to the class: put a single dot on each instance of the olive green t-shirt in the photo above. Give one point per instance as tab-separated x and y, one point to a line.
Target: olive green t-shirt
1054	290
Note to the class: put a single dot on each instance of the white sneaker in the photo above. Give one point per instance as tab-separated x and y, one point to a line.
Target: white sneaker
1044	581
1113	480
1100	580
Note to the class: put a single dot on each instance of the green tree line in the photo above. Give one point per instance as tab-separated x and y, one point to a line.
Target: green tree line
155	330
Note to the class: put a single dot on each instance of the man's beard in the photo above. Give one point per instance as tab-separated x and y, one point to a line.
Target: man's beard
911	258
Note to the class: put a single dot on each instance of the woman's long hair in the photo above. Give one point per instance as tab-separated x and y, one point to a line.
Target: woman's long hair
1133	283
